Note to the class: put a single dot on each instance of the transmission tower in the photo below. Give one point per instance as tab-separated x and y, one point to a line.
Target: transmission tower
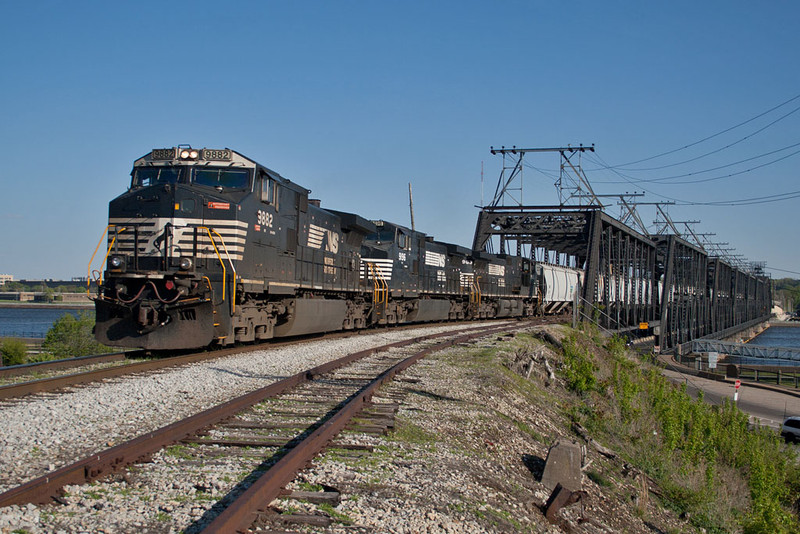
571	183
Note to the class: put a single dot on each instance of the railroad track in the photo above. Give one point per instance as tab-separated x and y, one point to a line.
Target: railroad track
120	364
12	371
286	424
20	389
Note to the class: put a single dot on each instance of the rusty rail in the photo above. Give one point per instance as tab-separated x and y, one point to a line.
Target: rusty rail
239	516
45	488
86	377
67	363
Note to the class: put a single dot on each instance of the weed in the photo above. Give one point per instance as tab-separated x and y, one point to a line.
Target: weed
408	432
178	451
335	514
599	479
579	368
307	486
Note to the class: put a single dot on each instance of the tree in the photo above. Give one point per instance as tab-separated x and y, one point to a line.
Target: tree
72	336
13	286
14	351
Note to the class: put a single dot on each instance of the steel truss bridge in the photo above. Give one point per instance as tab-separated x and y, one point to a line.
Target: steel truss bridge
681	291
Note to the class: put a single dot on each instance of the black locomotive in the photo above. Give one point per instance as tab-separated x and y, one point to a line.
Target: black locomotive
209	247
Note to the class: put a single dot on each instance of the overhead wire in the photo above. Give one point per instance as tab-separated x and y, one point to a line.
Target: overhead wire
669	179
795	110
736	202
768	268
668	152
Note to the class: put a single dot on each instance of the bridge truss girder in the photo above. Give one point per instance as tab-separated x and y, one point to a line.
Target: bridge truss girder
620	286
685	308
631	278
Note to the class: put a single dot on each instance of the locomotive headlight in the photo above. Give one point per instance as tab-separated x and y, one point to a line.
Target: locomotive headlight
184	154
116	262
193	154
189	153
185	264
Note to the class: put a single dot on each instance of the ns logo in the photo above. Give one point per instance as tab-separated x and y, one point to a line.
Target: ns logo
332	243
318	235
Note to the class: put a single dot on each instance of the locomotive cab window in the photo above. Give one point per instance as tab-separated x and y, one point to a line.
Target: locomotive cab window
268	190
147	176
221	178
403	241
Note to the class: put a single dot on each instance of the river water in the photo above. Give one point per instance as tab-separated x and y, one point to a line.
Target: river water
774	336
32	322
778	336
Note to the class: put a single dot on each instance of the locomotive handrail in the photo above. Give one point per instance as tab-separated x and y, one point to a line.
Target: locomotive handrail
475	291
108	251
380	286
224	270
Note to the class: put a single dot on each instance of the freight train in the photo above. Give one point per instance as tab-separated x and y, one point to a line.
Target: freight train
209	247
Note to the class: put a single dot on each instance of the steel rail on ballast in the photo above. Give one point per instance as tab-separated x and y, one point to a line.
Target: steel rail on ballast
86	377
239	516
46	488
66	363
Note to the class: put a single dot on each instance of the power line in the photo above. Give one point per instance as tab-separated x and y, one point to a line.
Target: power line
668	179
781	270
737	202
795	110
710	136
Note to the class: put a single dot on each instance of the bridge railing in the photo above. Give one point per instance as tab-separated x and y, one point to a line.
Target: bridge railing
745	350
788	378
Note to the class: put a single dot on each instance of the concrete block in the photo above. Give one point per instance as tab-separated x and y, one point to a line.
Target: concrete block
563	466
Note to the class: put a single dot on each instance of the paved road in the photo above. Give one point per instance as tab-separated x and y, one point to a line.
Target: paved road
770	407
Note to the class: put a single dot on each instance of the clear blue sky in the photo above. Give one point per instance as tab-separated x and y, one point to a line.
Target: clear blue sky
353	100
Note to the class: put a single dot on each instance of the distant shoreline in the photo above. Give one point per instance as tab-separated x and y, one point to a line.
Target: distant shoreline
54	305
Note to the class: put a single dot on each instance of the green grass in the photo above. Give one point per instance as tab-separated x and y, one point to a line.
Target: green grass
687	446
335	514
408	432
599	479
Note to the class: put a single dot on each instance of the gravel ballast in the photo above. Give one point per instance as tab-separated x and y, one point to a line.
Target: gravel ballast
43	432
466	453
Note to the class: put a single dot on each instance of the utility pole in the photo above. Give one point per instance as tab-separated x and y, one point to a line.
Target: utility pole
411	206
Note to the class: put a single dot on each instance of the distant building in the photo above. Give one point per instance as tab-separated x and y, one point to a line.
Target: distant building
6	278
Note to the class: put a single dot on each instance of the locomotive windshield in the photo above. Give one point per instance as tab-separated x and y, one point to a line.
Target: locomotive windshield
382	236
221	177
145	176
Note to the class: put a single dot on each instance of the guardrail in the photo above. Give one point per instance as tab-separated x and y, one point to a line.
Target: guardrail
789	378
24	335
745	350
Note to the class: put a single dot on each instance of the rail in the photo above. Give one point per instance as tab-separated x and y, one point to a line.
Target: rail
208	230
782	378
577	313
44	488
475	291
